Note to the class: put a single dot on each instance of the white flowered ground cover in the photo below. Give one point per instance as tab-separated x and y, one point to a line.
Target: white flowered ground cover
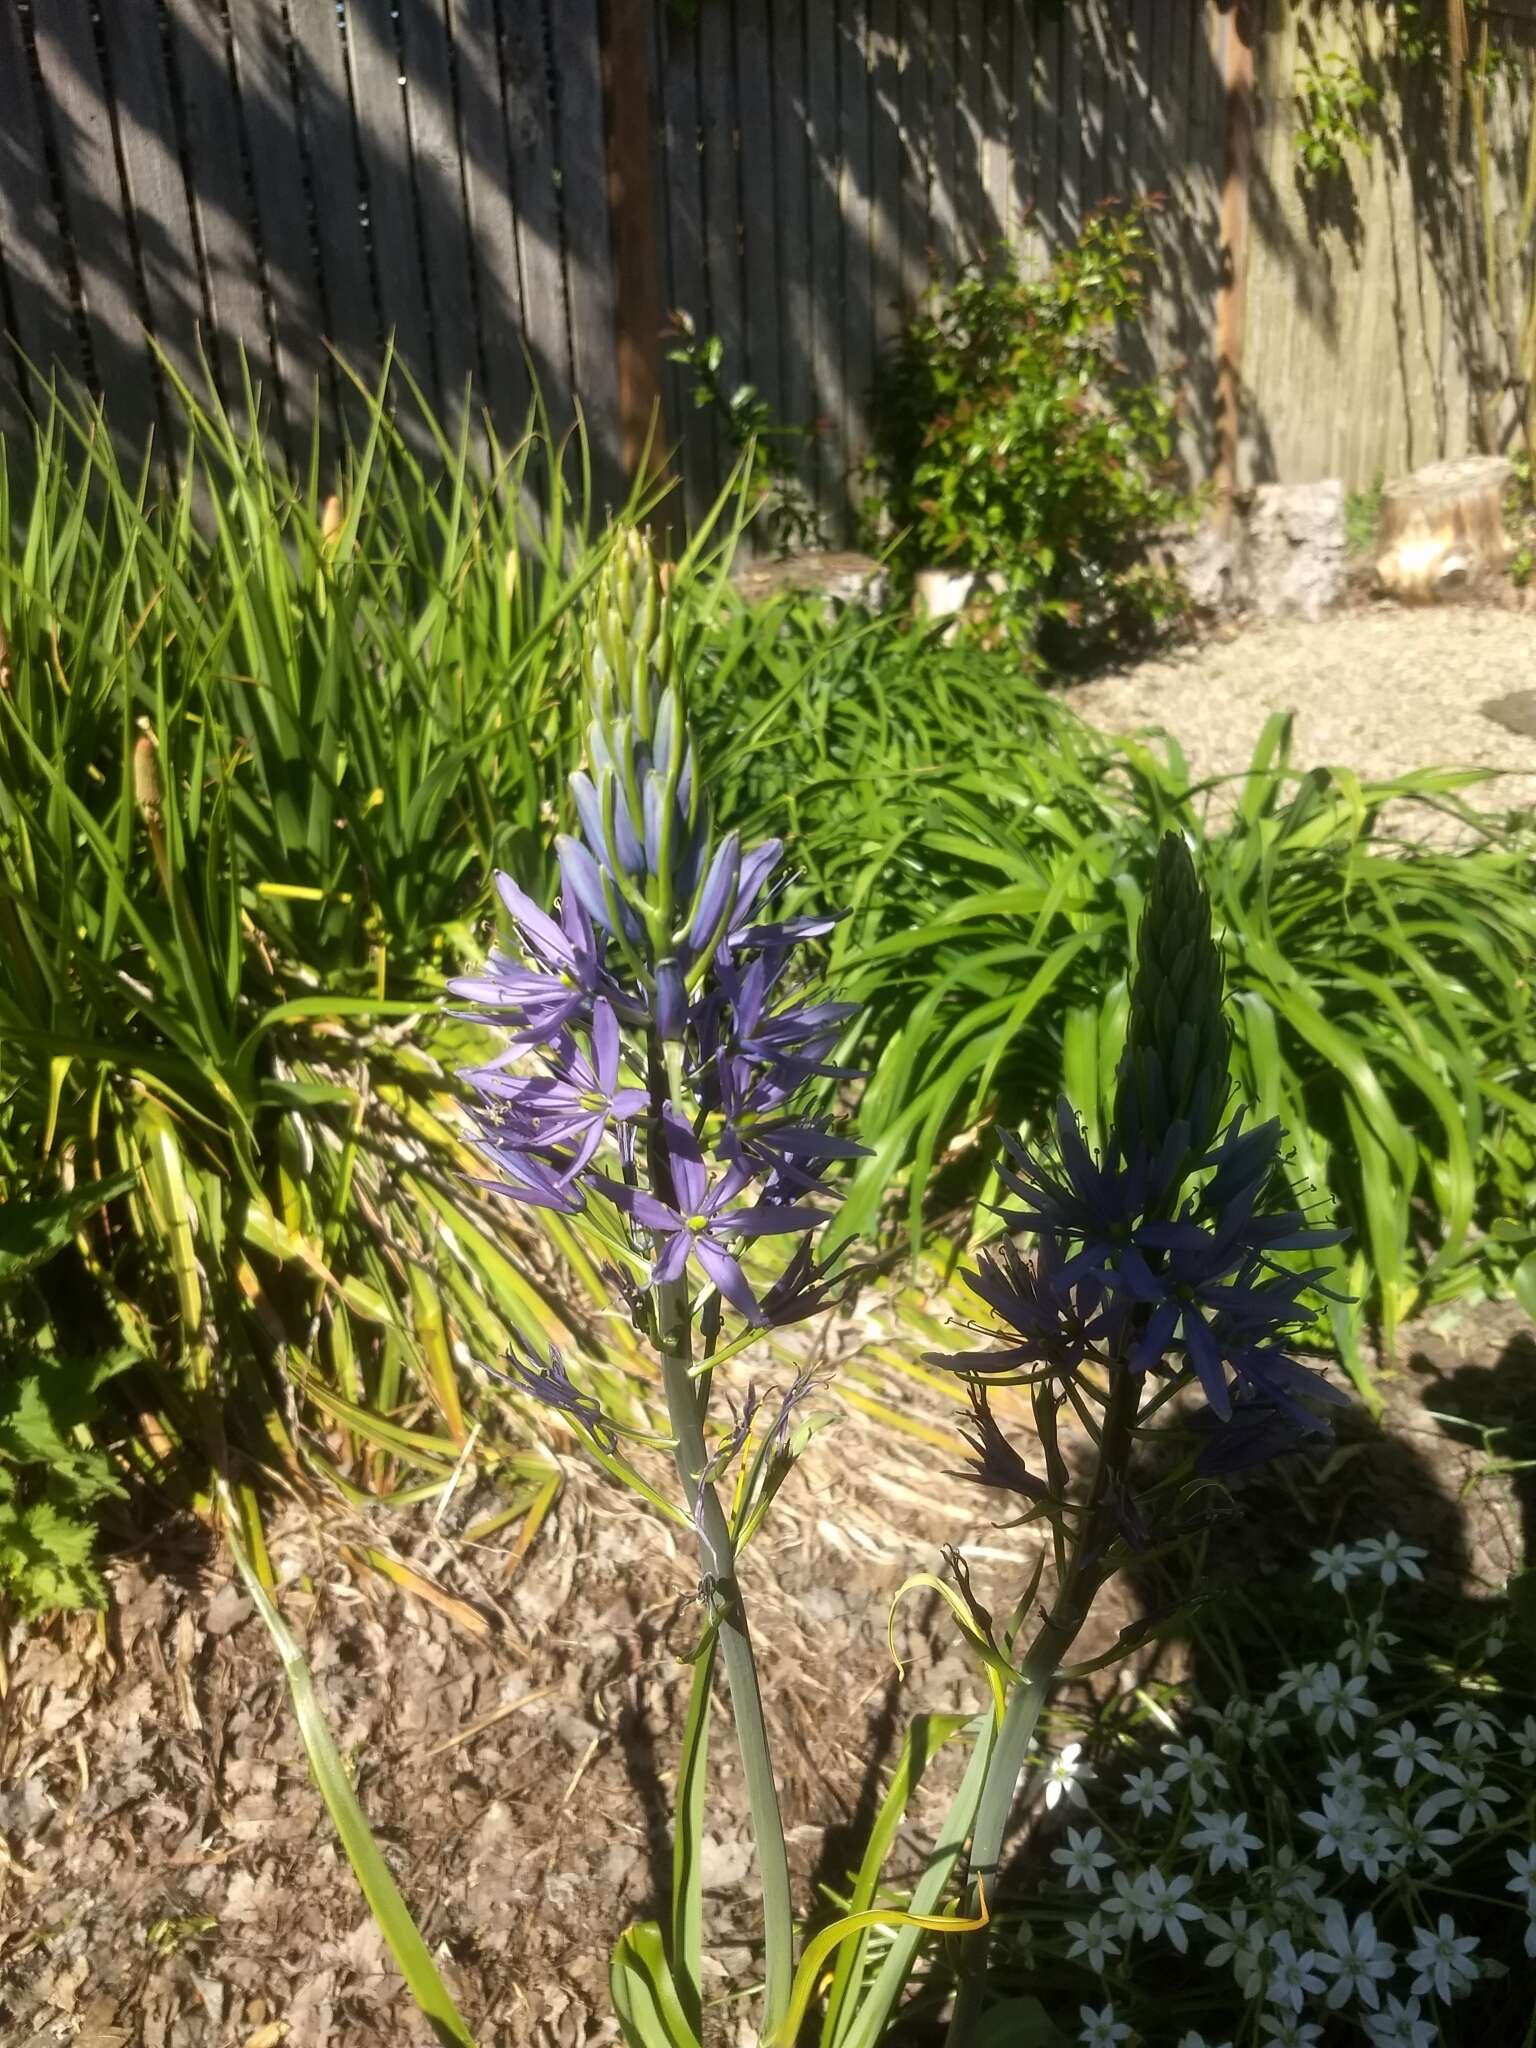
1347	1857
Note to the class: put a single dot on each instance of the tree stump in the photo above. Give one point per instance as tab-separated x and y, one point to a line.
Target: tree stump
1442	529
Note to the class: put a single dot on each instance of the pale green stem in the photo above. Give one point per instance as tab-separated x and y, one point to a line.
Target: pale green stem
1046	1654
718	1554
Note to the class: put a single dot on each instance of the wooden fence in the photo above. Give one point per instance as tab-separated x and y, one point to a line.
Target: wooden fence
518	189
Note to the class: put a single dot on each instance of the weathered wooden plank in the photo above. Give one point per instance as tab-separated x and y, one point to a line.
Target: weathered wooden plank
283	222
885	80
759	143
855	182
30	242
916	152
1023	149
154	186
200	60
373	64
996	118
970	134
491	226
577	74
96	209
946	226
722	226
353	329
634	236
425	63
531	143
826	255
687	284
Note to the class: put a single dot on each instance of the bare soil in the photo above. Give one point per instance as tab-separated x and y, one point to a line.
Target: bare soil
167	1873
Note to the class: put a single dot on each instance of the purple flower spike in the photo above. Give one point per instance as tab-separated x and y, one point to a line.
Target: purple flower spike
700	1221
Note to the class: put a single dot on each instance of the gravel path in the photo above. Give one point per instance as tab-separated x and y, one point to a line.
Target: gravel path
1381	690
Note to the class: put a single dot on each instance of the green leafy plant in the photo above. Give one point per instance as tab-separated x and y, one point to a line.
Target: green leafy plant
764	450
1362	516
994	850
258	741
1012	441
1333	97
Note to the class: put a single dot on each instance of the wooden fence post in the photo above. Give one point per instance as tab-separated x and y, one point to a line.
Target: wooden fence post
628	28
1239	32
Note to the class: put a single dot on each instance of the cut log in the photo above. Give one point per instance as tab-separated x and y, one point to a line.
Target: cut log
1442	529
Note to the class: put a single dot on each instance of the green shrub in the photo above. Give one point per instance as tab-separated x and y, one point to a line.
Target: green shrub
994	848
260	748
1012	441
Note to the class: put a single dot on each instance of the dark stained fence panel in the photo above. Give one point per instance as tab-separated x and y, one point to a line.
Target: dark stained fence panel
491	212
80	118
32	250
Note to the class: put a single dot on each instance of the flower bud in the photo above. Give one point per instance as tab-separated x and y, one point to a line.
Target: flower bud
1174	1069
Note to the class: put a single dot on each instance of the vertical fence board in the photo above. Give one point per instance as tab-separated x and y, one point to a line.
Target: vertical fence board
946	229
885	82
687	283
722	227
353	326
588	257
31	245
439	192
825	250
155	189
209	108
374	65
759	227
916	151
283	217
1023	159
94	205
531	140
996	118
970	112
855	180
491	225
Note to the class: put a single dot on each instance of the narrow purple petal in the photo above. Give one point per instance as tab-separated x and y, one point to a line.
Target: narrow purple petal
582	878
757	864
729	1278
533	922
605	1046
672	1259
767	1219
715	896
1205	1356
690	1182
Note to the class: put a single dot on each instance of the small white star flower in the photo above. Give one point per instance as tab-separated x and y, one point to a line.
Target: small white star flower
1415	1835
1200	1767
1285	2030
1407	1751
1165	1906
1194	2040
1475	1726
1101	2029
1338	1701
1292	1975
1347	1777
1082	1858
1065	1776
1494	1644
1400	2024
1365	1648
1147	1792
1128	1903
1336	1567
1293	1886
1244	1944
1523	1884
1355	1957
1094	1940
1468	1789
1298	1684
1443	1959
1390	1557
1223	1838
